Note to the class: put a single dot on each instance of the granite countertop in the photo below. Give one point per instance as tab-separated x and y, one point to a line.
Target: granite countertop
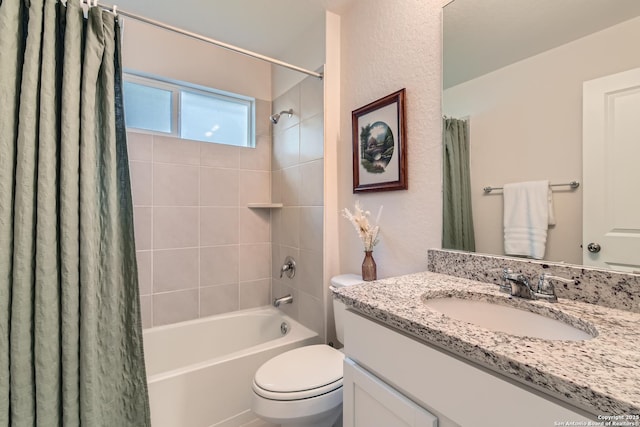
600	375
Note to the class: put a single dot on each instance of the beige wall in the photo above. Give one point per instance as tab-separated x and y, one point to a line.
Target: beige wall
200	249
163	53
297	183
332	142
305	50
526	124
403	51
386	46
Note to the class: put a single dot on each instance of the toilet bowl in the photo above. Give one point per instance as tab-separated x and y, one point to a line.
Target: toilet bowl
303	387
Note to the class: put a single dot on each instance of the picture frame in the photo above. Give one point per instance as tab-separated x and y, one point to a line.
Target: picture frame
379	145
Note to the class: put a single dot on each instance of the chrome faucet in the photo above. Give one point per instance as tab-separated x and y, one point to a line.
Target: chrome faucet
289	267
516	284
287	299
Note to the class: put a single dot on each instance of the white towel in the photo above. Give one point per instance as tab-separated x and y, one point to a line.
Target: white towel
552	215
528	211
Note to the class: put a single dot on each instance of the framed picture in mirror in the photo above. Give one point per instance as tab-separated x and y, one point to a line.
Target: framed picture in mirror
379	145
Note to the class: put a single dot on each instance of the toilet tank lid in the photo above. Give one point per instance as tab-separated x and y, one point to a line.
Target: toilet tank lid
344	280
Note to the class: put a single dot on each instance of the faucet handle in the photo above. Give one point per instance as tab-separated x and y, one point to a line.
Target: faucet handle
544	283
508	273
289	267
558	278
505	286
544	286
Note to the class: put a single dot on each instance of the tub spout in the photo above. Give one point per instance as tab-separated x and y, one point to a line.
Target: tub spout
287	299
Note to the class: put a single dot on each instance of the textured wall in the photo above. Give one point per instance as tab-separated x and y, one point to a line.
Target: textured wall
389	45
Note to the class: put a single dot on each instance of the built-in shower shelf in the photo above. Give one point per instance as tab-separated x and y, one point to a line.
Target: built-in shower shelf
264	205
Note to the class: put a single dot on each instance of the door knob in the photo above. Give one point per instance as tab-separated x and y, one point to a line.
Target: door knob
593	248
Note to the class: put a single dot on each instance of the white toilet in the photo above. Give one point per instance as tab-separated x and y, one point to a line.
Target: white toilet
303	387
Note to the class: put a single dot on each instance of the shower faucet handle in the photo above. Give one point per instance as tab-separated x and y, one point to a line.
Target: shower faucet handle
289	267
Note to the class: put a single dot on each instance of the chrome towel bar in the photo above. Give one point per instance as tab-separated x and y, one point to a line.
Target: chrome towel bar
572	184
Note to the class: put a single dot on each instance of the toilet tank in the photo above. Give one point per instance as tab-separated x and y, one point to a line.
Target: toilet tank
338	307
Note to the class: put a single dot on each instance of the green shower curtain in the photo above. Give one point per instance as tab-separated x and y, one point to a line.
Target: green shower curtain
457	229
70	333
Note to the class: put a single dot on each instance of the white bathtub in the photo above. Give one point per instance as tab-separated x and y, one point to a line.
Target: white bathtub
200	372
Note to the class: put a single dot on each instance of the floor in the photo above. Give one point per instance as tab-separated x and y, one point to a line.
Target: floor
258	423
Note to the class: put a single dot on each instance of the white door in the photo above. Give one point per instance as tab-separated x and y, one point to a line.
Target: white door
611	171
369	402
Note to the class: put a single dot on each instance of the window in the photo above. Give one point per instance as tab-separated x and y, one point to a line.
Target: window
148	108
188	111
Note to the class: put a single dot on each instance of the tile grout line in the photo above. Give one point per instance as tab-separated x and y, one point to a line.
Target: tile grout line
199	230
238	253
153	284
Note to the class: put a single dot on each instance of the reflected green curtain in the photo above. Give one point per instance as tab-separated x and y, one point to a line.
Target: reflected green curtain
457	230
70	332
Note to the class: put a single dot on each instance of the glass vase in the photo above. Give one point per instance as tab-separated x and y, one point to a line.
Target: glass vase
368	267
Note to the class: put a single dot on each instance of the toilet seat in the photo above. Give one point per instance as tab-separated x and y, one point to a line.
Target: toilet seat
297	395
300	374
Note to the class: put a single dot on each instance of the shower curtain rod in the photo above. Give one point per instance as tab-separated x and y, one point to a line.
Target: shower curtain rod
218	43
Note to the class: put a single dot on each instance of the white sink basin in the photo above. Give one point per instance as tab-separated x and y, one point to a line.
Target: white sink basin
500	318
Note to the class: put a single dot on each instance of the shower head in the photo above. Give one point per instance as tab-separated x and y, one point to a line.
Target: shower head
275	117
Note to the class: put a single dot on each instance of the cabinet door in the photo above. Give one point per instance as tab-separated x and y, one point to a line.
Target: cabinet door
369	402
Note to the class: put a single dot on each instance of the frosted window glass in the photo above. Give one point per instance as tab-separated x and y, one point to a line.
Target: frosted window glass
147	107
214	119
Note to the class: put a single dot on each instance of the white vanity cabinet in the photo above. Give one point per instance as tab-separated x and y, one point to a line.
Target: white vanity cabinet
369	402
393	380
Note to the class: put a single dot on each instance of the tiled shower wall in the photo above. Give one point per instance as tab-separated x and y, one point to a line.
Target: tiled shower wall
200	250
297	182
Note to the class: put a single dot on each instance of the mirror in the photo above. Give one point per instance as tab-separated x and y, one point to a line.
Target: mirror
514	69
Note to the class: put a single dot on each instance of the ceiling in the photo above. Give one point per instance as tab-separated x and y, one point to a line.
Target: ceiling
483	35
479	35
261	26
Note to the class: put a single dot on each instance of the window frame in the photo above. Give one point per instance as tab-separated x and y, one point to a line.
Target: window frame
177	88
